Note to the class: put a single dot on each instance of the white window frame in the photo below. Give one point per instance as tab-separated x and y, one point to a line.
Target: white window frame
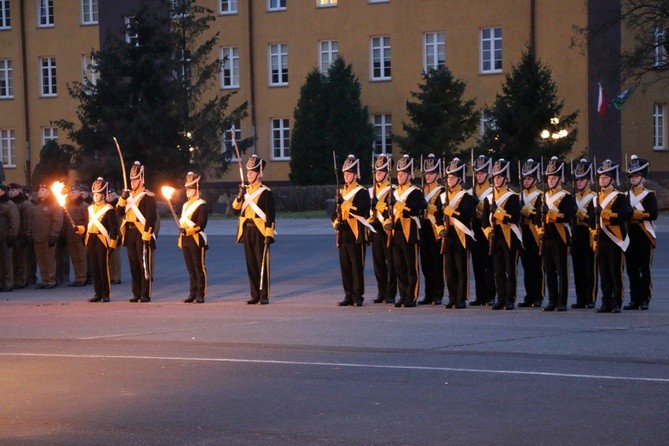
434	50
383	133
660	57
280	138
277	5
8	147
131	39
486	122
491	48
5	15
278	63
380	58
89	12
659	127
230	63
326	3
49	134
6	79
226	7
45	14
226	142
328	51
47	77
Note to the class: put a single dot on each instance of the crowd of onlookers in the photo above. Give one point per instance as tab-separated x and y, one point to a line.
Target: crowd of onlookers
36	233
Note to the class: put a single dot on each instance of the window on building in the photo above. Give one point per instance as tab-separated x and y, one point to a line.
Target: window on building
89	12
276	5
280	139
660	47
45	13
230	67
131	36
8	147
228	147
49	134
378	1
278	64
434	51
184	74
326	3
89	71
659	126
383	126
48	76
6	79
328	52
491	50
487	122
5	17
381	58
180	8
227	6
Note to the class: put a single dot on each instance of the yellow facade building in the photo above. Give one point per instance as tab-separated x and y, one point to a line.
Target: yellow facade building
269	46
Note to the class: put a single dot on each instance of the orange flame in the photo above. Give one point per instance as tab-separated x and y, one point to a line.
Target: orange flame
167	192
57	189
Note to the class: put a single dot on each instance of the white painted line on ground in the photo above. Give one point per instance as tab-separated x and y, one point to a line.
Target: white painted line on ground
335	364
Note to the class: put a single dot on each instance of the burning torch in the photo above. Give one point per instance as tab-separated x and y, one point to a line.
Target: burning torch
57	189
167	193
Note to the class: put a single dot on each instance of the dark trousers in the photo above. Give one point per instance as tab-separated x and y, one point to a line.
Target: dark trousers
484	273
20	261
610	266
638	262
352	265
384	269
98	260
432	263
254	244
533	277
557	271
505	261
141	286
405	257
457	271
197	271
583	262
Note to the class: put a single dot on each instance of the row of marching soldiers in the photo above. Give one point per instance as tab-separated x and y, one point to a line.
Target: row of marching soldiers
436	228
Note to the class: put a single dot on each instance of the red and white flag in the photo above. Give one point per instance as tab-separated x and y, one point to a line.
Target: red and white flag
601	101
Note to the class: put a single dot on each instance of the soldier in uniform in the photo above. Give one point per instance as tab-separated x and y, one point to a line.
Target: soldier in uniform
431	259
101	238
407	206
559	209
380	194
456	234
192	238
45	226
350	222
639	254
78	210
9	229
137	208
582	256
21	246
531	198
484	274
257	213
501	214
611	239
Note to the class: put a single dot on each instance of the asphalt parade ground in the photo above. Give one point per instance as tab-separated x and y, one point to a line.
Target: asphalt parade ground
302	371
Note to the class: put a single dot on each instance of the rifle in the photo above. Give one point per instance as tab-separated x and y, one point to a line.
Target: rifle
337	207
493	208
442	249
543	208
597	208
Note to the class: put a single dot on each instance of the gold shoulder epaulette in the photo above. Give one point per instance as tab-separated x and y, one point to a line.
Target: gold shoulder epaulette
149	193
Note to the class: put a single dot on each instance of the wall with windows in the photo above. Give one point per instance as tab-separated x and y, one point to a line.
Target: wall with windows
58	35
